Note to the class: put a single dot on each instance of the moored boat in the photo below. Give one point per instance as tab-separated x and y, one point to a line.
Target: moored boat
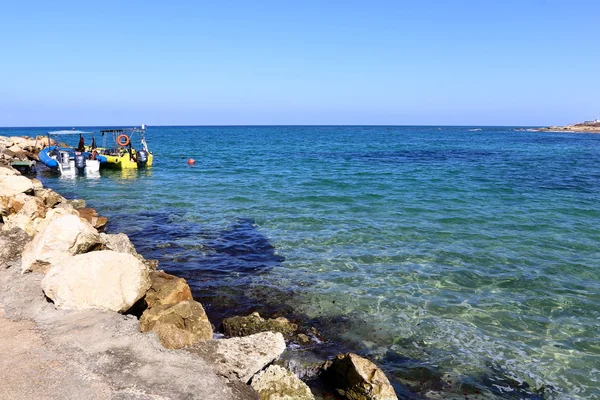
120	152
69	160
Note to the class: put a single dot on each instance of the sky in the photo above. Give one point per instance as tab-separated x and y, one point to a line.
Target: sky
459	62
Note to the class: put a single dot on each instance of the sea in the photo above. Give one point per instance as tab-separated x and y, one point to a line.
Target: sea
464	261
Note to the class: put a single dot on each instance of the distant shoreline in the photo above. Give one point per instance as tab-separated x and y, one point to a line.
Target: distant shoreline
583	127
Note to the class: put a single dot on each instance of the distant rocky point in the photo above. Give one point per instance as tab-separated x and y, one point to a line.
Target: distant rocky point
587	126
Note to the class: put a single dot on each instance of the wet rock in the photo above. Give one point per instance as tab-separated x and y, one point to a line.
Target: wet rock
357	378
167	289
277	383
12	185
30	212
177	325
49	197
254	323
118	242
241	357
90	215
61	237
104	280
12	243
304	364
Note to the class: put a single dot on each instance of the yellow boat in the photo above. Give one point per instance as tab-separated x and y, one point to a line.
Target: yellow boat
122	155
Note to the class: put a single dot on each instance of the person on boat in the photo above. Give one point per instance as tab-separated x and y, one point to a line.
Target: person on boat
81	145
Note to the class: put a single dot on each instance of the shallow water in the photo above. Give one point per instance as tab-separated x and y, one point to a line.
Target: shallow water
447	255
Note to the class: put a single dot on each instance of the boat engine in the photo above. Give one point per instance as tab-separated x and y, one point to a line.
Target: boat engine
80	162
142	157
64	158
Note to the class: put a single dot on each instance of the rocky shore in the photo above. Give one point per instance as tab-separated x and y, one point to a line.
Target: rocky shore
83	315
585	127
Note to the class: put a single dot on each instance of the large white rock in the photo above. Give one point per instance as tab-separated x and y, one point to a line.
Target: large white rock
11	185
32	212
241	357
8	171
62	236
104	280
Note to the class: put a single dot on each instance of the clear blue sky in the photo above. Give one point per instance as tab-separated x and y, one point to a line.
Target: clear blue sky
525	62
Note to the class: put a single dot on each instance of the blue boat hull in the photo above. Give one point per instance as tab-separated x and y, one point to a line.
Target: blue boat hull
46	159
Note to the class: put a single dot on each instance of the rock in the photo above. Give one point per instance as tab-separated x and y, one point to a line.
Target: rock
118	242
254	323
167	289
304	364
77	203
4	171
11	185
104	280
277	383
12	243
177	325
90	215
62	236
49	197
241	357
30	212
357	378
37	184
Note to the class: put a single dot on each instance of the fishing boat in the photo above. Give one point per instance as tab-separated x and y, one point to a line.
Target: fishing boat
117	150
69	160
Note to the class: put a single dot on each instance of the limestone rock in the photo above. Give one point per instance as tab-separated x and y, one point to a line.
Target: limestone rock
104	280
4	171
49	197
167	289
12	243
357	378
305	364
118	242
11	185
177	325
254	323
30	211
77	203
91	216
62	236
277	383
241	357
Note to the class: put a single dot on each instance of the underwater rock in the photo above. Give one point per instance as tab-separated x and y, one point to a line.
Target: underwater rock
241	357
254	323
104	280
277	383
177	325
167	289
63	236
357	378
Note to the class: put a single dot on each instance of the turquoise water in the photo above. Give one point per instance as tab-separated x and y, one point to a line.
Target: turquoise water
470	257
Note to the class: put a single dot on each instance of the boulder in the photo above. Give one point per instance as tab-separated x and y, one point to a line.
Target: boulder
19	141
177	325
49	197
30	212
357	378
241	357
8	171
62	236
254	323
104	280
305	364
90	215
167	289
277	383
12	243
77	203
11	185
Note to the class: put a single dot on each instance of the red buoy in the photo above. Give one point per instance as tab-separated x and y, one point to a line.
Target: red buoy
191	161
